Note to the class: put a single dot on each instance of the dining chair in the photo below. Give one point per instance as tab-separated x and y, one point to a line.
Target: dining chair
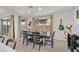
68	40
51	39
74	43
36	39
25	37
3	39
11	41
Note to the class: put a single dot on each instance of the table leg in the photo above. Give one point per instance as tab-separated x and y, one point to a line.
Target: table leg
44	43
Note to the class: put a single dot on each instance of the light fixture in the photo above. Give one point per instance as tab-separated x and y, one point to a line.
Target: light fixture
30	6
29	11
40	9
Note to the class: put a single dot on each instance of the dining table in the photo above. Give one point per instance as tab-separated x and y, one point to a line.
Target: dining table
43	37
5	48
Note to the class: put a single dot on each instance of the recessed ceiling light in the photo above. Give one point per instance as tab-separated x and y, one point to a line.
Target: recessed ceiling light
30	6
40	9
29	11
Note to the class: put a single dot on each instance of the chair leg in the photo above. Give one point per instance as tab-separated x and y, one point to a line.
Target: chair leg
27	41
14	45
72	50
3	40
33	45
52	44
23	40
39	46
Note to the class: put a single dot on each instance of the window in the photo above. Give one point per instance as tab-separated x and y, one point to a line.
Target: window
77	14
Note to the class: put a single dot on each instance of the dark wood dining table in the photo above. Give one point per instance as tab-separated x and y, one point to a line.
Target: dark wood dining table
43	37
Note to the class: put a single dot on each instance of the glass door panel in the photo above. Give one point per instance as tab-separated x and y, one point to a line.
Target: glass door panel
5	27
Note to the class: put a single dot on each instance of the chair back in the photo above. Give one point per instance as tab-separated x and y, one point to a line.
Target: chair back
25	34
52	37
69	39
36	35
74	40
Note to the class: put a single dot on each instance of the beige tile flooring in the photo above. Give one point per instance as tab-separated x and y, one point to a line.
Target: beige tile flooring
59	46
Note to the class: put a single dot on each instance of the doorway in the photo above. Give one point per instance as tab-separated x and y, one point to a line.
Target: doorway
5	27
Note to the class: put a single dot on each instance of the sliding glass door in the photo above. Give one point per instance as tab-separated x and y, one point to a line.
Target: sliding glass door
5	27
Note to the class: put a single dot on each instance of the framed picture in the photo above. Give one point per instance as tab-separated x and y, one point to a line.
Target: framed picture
77	14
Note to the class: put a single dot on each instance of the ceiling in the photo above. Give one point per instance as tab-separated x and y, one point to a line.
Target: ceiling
23	10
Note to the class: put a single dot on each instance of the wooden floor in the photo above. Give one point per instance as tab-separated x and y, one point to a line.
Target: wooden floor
59	46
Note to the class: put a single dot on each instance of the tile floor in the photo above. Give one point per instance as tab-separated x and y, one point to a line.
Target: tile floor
59	46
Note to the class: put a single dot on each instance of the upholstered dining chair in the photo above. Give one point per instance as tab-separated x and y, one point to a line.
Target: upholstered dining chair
36	39
51	39
25	37
74	43
68	40
11	41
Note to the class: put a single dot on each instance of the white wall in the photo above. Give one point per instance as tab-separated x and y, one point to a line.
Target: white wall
67	17
76	22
